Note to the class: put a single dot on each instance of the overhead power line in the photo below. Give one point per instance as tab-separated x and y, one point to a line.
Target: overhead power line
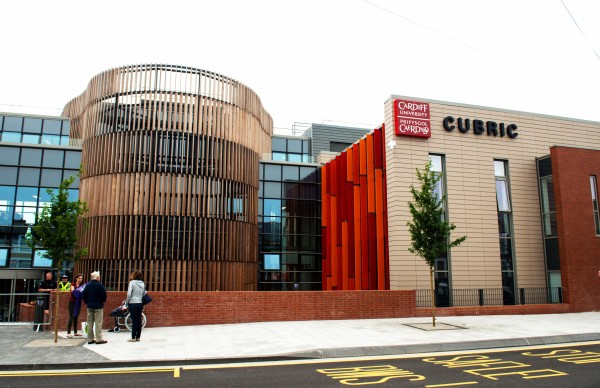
439	33
580	30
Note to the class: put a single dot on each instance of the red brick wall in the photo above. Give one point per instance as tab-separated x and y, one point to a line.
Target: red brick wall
579	246
200	308
203	308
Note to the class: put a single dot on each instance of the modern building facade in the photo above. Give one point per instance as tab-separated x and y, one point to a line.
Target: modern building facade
35	155
186	182
171	157
522	187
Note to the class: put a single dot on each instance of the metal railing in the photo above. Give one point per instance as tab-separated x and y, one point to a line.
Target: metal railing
490	296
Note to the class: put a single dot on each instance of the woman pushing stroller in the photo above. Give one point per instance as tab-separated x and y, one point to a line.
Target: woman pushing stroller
135	293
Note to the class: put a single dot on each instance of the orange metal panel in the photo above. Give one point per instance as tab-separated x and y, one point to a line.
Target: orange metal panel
344	257
362	149
334	257
379	218
370	175
349	164
357	250
356	164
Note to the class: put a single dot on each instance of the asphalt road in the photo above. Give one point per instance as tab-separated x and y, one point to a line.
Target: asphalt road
574	365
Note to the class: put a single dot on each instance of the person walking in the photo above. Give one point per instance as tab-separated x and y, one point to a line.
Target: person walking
73	300
94	296
135	292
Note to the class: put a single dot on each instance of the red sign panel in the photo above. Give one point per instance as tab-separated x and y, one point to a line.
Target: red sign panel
412	118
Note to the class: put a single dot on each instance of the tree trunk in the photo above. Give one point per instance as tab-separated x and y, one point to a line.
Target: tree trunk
432	295
56	310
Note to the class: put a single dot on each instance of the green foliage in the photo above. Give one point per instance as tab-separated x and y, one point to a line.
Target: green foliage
56	227
430	234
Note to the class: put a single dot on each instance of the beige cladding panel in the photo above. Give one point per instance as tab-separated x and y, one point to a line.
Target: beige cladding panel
472	193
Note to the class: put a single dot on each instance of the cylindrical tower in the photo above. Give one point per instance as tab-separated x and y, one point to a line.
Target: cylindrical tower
170	157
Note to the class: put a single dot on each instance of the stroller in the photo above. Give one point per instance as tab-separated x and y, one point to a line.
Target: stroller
122	317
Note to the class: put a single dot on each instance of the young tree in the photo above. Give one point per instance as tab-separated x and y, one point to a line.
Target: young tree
55	231
429	232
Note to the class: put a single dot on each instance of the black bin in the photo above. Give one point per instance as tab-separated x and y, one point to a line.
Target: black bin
38	316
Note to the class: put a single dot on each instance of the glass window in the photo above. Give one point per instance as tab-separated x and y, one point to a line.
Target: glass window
53	158
31	139
66	128
27	196
272	190
31	157
73	194
504	224
594	188
279	156
499	168
50	139
52	127
29	176
9	155
296	158
272	172
51	178
6	214
13	124
13	137
32	125
272	207
291	173
44	198
39	260
8	175
70	173
308	174
294	145
25	215
436	163
7	195
272	262
305	144
502	196
64	140
278	144
291	190
3	257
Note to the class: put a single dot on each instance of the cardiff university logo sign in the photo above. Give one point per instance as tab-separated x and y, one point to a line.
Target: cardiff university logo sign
411	118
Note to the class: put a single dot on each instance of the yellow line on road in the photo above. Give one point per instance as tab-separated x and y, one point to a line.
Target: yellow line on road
86	372
452	384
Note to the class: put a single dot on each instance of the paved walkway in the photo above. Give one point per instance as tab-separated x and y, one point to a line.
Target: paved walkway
22	348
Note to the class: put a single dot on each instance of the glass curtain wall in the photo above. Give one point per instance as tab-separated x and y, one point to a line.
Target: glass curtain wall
289	227
25	175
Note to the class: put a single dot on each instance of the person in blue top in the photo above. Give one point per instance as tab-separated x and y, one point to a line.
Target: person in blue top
94	296
135	292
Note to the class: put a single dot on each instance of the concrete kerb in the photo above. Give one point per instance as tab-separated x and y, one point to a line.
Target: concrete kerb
445	347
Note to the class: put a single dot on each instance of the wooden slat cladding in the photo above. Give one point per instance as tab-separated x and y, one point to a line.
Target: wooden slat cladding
355	250
170	157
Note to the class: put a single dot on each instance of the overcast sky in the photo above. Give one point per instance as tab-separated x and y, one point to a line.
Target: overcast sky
316	60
